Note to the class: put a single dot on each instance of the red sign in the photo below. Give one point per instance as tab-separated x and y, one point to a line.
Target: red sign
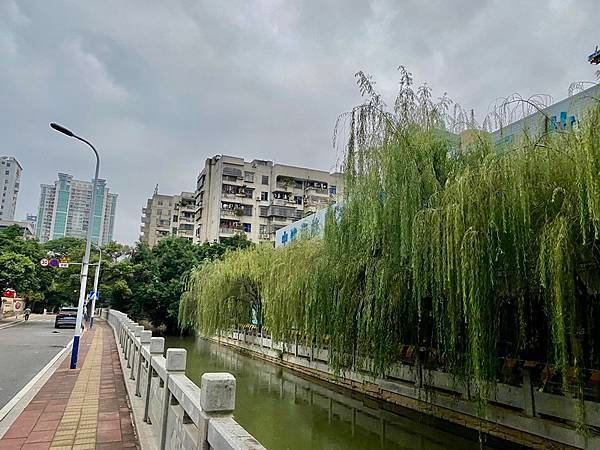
9	293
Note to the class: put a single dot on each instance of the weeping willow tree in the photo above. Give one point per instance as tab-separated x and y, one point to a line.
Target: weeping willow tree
225	293
469	252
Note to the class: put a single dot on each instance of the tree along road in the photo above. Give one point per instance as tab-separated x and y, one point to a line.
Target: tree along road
25	349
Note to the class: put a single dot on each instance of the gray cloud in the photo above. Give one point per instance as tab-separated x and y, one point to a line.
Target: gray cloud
160	86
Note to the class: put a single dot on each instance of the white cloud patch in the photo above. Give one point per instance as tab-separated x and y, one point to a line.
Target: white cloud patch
92	73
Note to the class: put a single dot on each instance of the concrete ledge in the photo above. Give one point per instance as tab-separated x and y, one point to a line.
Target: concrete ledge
453	406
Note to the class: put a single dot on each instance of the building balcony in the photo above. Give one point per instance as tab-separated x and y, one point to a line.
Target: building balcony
314	190
282	202
228	231
283	187
231	213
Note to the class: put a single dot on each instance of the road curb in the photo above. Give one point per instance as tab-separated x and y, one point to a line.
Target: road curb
12	410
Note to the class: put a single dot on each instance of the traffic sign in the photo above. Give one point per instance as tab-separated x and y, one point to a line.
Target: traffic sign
63	265
44	262
54	262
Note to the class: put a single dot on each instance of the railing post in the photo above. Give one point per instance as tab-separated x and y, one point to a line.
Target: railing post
130	330
217	392
217	397
145	337
127	327
137	332
528	397
157	347
175	363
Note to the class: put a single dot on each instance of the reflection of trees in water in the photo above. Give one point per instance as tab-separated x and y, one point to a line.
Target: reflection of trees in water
403	426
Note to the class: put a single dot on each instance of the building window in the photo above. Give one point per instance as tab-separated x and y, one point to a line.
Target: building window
263	229
249	177
265	180
264	196
7	172
159	212
264	211
247	228
298	199
332	190
160	202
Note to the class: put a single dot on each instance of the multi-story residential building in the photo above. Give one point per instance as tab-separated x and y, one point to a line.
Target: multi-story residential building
167	215
257	198
65	206
10	176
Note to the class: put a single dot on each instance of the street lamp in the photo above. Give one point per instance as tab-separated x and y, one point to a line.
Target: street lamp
88	242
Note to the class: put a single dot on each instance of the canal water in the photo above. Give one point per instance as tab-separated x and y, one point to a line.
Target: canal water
285	411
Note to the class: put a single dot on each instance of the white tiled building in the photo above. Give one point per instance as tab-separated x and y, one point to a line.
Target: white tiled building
10	176
258	197
167	215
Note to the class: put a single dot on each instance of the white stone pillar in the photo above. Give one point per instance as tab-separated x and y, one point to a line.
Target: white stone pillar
157	347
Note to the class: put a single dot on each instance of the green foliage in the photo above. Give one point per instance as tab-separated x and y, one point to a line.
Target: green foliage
230	290
17	271
152	280
469	251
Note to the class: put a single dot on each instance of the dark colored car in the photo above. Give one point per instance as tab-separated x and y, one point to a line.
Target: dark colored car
66	317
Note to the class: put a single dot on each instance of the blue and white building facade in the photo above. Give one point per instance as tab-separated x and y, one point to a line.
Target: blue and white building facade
65	206
562	115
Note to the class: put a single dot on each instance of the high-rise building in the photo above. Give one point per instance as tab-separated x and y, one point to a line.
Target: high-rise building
167	215
10	176
257	198
65	206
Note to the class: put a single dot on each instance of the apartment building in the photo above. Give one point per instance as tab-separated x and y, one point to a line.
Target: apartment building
64	209
257	198
10	177
168	215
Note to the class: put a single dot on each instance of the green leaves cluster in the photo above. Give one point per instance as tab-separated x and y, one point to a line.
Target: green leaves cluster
468	251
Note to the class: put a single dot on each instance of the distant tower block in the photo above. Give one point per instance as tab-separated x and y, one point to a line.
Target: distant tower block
594	58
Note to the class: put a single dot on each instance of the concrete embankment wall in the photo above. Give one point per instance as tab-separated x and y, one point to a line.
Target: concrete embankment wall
175	413
522	414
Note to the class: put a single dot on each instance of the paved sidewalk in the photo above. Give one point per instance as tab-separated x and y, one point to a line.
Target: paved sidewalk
84	408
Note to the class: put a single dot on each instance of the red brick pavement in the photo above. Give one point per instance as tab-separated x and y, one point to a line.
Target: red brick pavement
37	424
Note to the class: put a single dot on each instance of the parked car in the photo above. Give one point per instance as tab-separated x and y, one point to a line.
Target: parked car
66	317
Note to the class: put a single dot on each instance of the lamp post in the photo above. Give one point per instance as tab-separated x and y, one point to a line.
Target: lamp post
88	243
96	278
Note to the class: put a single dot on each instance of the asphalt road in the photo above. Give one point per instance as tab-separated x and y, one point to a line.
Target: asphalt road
25	349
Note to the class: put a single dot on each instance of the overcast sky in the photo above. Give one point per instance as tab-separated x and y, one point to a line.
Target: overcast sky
160	86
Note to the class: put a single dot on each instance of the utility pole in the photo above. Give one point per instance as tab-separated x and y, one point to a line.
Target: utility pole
88	244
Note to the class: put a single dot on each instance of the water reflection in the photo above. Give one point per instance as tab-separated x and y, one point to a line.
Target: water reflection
285	411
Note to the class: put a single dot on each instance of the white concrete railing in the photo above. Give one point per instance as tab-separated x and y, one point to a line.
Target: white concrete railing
525	408
181	414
